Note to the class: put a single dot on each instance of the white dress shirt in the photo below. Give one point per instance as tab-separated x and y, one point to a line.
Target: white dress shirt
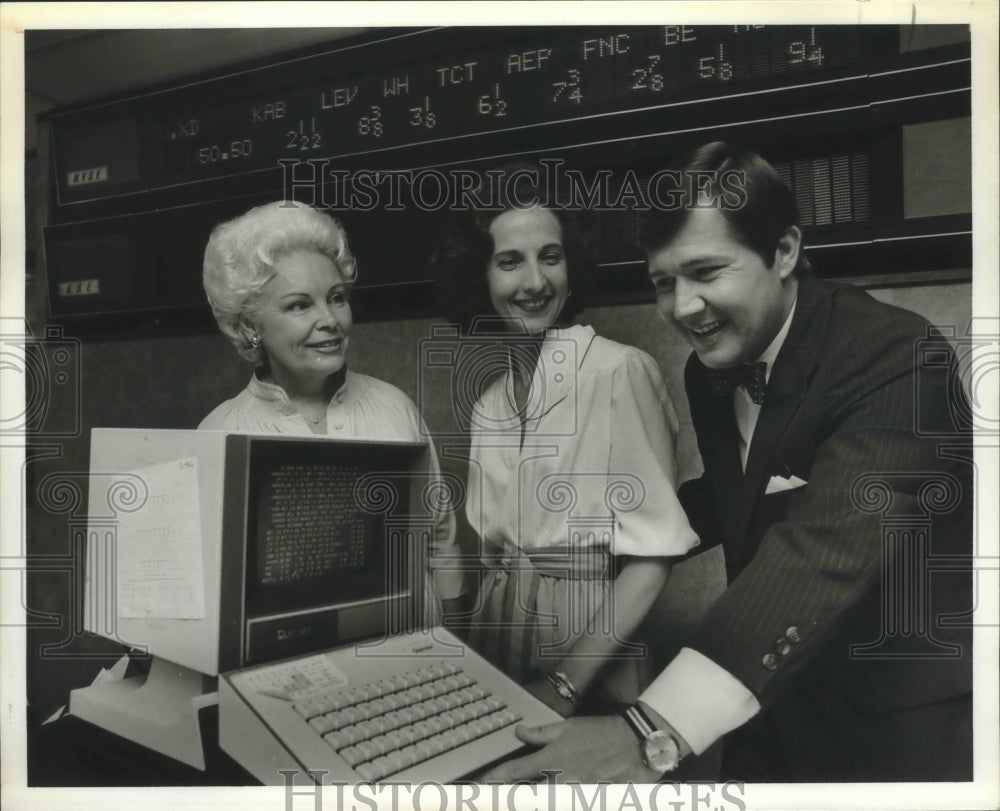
746	410
701	700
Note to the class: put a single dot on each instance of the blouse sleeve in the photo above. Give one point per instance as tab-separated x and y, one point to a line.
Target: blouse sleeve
220	418
444	555
649	520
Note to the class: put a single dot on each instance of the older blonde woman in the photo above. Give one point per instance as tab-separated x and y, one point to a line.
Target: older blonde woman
279	280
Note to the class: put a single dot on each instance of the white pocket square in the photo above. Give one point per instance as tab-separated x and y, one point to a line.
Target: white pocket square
779	484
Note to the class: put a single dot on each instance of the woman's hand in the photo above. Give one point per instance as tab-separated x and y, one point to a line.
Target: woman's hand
543	690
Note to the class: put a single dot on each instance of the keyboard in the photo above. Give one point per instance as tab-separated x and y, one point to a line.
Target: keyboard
412	708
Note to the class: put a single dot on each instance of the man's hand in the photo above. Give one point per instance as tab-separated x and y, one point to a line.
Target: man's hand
586	749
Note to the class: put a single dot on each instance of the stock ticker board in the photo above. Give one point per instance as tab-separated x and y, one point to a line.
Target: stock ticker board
443	88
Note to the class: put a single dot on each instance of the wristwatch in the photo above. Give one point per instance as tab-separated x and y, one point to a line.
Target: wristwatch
660	750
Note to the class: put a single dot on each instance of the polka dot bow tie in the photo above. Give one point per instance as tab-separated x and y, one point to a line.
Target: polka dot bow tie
748	375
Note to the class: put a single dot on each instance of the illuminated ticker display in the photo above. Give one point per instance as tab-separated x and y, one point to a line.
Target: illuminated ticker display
485	81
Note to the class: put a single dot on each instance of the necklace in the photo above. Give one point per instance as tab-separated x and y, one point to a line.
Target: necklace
316	421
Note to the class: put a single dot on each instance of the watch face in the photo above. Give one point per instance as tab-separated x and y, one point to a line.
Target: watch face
660	751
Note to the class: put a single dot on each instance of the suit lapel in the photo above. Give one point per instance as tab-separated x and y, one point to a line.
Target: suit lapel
786	389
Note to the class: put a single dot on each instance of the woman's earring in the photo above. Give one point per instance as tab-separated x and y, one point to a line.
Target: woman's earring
255	341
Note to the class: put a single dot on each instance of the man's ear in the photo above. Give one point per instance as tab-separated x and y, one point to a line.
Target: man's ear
786	255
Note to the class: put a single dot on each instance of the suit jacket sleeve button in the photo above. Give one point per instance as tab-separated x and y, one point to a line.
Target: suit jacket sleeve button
770	661
793	635
782	646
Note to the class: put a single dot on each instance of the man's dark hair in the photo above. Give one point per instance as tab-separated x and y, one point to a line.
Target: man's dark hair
461	258
748	191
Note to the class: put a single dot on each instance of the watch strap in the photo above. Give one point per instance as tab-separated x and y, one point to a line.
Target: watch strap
639	722
651	740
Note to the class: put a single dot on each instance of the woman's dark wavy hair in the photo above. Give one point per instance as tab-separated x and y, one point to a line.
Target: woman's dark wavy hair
461	258
759	213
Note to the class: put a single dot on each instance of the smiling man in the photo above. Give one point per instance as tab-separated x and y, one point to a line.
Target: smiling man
839	651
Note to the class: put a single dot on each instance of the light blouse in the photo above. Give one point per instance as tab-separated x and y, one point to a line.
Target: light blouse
597	464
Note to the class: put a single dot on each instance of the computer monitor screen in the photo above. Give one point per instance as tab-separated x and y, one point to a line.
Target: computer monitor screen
310	537
330	544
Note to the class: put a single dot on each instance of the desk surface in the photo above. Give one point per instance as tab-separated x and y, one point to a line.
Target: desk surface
73	752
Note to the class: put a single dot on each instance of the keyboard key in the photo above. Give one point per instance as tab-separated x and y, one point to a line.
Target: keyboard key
380	725
508	716
336	719
405	736
366	729
478	709
453	739
306	709
436	745
396	762
367	749
321	724
337	740
378	744
423	692
368	772
352	715
383	767
451	701
470	731
479	727
352	757
418	712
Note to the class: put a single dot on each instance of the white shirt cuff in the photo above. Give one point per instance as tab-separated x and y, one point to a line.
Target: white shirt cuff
700	700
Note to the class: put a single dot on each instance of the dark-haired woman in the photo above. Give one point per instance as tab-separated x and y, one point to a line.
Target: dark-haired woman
572	471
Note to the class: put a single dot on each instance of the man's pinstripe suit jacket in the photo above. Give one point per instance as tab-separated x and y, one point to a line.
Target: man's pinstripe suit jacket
843	613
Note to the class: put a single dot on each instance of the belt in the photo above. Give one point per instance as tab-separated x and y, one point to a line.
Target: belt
510	641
